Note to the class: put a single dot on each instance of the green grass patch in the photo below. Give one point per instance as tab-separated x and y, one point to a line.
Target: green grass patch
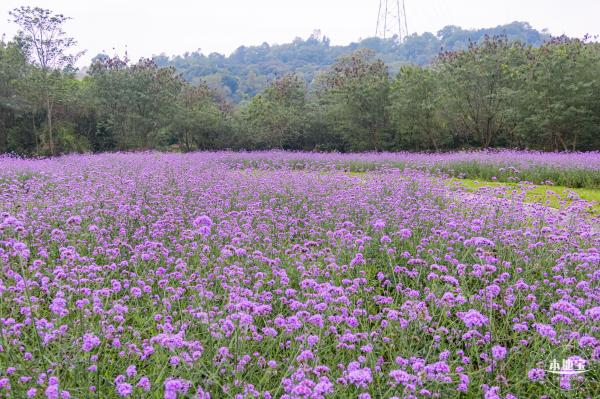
552	196
536	174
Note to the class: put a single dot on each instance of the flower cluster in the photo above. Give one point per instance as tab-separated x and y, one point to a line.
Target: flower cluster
215	275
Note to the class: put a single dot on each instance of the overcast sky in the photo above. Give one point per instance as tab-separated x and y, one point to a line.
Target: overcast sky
148	27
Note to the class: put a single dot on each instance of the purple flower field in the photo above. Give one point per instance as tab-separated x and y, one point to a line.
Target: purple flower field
222	275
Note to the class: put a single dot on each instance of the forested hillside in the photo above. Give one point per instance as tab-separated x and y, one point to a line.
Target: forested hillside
249	70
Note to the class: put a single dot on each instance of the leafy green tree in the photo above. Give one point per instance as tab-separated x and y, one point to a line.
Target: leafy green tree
71	111
478	84
134	103
277	116
355	93
560	96
13	69
415	109
81	115
198	119
47	46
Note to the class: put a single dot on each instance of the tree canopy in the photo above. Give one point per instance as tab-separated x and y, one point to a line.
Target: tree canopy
249	70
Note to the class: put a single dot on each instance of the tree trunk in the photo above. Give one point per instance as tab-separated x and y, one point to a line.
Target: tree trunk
37	143
3	135
375	140
49	120
433	141
562	142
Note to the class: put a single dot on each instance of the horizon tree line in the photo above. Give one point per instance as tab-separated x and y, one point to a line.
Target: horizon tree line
495	93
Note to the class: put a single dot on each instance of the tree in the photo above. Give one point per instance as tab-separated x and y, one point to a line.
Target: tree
415	109
478	83
250	69
277	116
197	119
134	103
560	95
47	47
355	93
13	68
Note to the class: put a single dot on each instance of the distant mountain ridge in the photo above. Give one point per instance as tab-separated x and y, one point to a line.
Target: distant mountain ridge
248	70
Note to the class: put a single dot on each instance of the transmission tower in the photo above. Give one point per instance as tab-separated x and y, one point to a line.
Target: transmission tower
391	20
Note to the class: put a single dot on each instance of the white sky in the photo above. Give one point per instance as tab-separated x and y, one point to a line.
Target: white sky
173	27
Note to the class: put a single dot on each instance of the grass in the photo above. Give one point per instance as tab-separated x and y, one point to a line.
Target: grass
536	174
507	171
553	196
557	197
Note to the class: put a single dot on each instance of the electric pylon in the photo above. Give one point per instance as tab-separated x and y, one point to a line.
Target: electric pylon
391	20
